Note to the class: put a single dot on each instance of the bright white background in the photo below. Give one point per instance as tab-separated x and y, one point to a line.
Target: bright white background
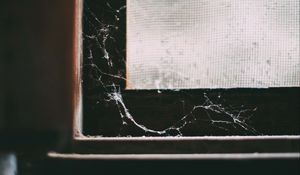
174	44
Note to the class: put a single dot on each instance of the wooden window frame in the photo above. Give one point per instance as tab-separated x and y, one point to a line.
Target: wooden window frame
193	146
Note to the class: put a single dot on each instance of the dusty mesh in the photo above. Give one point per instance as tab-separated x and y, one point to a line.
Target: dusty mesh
175	44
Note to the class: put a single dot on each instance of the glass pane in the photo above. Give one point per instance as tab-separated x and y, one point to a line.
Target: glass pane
168	44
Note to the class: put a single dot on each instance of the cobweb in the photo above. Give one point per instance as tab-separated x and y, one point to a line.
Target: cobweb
104	79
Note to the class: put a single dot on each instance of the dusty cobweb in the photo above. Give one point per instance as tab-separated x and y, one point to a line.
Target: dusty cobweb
104	79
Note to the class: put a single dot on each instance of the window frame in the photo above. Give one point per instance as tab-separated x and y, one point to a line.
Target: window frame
161	145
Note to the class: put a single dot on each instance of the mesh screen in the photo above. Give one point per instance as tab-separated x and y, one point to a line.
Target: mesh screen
183	44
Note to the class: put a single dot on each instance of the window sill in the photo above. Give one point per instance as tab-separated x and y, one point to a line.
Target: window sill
235	156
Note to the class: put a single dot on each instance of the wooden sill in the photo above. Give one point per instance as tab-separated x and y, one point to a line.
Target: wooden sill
243	156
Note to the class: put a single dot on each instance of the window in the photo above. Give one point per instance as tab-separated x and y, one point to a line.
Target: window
112	112
39	53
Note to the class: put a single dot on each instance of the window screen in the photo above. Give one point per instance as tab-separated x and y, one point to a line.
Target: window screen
174	44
